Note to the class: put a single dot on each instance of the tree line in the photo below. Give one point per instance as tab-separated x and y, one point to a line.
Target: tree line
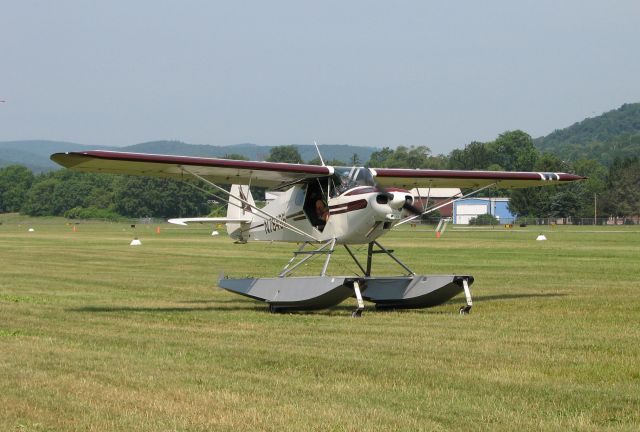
88	195
612	190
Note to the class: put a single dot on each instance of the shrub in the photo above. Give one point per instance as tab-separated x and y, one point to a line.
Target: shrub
484	219
91	213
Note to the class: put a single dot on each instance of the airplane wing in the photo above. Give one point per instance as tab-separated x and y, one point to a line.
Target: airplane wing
221	171
185	221
274	175
410	178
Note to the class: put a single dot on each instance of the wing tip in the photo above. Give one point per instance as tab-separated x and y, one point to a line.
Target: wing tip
572	177
177	221
64	159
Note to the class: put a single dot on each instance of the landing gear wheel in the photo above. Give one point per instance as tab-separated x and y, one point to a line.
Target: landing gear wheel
356	313
272	309
465	310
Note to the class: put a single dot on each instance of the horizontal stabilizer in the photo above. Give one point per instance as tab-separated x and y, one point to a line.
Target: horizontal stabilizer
185	221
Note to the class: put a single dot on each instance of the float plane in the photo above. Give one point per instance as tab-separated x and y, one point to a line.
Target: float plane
320	209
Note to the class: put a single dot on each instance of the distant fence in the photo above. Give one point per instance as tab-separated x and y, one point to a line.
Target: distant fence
16	219
524	221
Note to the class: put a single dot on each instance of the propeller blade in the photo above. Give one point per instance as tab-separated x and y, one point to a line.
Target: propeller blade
406	206
411	208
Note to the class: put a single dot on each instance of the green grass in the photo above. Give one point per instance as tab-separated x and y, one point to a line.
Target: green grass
98	335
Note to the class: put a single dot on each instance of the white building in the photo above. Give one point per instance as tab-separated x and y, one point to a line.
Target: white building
469	208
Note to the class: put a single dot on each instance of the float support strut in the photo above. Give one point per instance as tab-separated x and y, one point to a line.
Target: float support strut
326	261
358	312
467	293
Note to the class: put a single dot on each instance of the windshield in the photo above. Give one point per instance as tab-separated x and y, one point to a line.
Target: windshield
345	178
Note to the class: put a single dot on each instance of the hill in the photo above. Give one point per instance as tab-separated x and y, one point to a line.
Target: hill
613	134
34	162
35	154
341	152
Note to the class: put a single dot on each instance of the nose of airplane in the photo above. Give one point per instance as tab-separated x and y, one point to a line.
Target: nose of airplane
398	200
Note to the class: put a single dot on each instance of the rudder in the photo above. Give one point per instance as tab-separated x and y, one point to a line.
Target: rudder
237	209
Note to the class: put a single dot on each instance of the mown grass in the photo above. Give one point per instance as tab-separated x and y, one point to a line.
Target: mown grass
98	335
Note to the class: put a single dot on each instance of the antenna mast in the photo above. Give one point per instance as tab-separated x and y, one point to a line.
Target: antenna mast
319	154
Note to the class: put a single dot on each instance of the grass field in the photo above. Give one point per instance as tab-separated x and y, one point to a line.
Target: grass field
98	335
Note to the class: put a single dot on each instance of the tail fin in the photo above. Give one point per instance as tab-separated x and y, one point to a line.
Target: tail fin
239	210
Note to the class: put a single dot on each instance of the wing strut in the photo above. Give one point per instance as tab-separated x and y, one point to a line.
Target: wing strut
213	195
434	208
245	202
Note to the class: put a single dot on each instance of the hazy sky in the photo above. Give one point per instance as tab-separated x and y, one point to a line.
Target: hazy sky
380	73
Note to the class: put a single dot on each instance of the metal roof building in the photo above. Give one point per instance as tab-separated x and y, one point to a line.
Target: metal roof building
469	208
435	196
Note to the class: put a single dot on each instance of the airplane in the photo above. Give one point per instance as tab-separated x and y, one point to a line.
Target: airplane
321	207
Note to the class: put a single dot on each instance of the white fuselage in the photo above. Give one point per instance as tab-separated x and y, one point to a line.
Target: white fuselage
357	216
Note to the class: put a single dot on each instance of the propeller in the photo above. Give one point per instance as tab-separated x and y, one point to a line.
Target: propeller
408	202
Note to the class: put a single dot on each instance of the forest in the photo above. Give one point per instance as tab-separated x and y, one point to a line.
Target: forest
606	149
615	188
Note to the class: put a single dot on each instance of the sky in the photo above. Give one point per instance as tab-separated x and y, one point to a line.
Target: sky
375	73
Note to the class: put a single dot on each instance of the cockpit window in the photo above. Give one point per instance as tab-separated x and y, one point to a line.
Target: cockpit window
345	178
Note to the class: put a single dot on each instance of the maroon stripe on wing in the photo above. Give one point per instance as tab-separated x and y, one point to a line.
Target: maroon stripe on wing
459	174
201	161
